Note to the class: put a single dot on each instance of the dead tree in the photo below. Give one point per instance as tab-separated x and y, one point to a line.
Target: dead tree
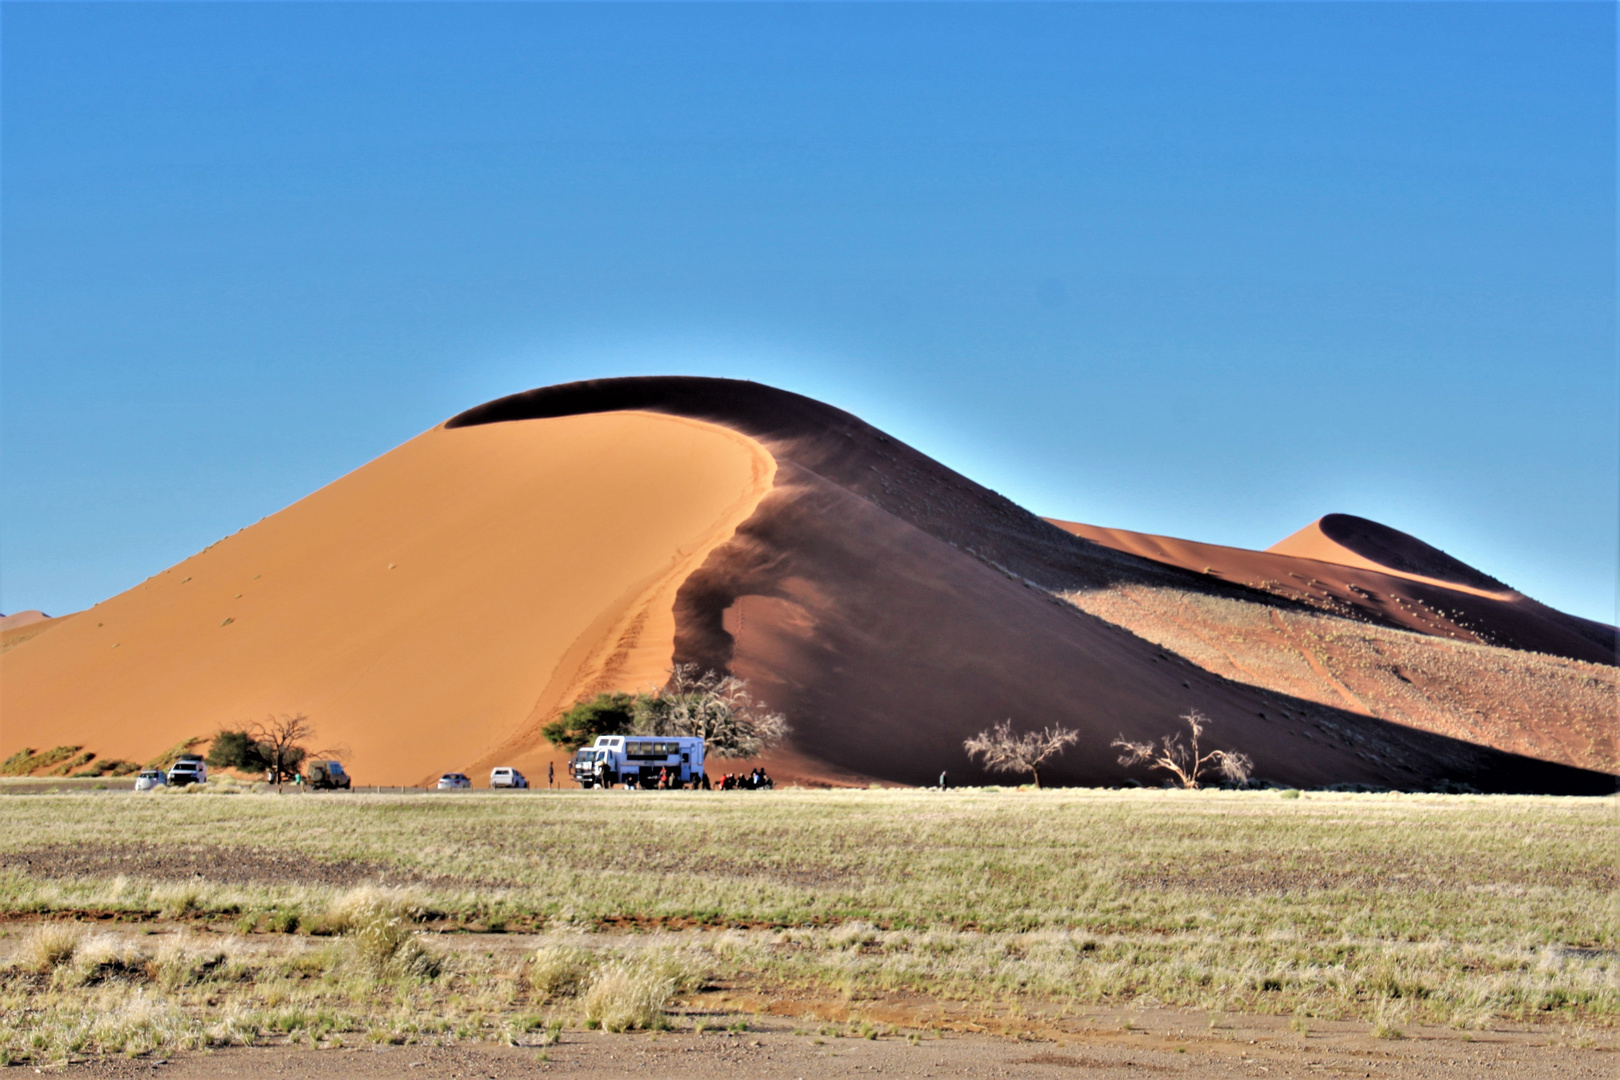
281	742
715	707
1003	751
1184	762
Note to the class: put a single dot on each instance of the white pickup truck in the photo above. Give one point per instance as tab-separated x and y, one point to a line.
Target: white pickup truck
639	760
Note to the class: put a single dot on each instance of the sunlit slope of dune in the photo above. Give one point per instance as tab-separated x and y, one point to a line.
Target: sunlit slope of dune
422	610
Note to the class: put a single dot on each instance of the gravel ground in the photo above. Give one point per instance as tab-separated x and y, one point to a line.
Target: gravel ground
1161	1044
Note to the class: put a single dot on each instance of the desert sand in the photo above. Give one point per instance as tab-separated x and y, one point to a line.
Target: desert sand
424	610
433	609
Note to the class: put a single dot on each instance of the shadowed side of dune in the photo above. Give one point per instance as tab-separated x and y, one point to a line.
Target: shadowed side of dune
889	648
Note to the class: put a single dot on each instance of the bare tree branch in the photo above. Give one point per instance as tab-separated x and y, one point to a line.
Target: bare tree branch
1003	751
280	741
1184	762
716	707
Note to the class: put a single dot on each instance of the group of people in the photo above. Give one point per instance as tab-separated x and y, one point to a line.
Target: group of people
757	780
670	779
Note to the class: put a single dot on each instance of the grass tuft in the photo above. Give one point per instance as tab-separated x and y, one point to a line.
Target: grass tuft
625	996
47	947
560	971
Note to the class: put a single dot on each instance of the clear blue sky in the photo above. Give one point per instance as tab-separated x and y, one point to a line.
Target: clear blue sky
1205	270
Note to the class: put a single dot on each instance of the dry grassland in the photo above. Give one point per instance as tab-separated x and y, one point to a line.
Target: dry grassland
135	923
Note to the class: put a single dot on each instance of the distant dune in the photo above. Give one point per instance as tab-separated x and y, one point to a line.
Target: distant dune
20	619
1327	565
18	628
434	608
1353	541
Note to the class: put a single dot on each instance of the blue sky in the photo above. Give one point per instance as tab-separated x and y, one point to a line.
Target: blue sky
1204	270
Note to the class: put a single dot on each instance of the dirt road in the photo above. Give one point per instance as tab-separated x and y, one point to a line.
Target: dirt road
1160	1044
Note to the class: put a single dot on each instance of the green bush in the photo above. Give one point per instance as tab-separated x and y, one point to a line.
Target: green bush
236	750
26	762
604	714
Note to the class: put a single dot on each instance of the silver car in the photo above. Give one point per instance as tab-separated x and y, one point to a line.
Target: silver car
452	781
150	779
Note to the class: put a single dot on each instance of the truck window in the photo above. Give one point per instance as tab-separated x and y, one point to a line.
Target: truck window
643	750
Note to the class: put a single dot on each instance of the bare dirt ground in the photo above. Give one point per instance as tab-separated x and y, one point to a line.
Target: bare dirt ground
1161	1043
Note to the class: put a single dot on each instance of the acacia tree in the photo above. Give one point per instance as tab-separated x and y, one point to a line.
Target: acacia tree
1184	762
236	750
1003	751
280	741
605	714
717	708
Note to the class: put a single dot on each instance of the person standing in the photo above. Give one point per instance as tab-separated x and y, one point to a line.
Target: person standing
551	774
944	780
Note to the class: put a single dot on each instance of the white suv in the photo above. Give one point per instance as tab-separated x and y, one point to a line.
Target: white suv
188	769
505	776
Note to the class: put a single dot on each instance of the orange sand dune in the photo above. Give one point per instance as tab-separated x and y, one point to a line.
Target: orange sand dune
1352	541
1411	586
893	608
434	608
422	610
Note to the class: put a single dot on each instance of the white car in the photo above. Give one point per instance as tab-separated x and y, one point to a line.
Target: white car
505	776
452	781
149	779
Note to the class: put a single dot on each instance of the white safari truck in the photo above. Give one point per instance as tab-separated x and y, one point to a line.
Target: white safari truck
638	760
